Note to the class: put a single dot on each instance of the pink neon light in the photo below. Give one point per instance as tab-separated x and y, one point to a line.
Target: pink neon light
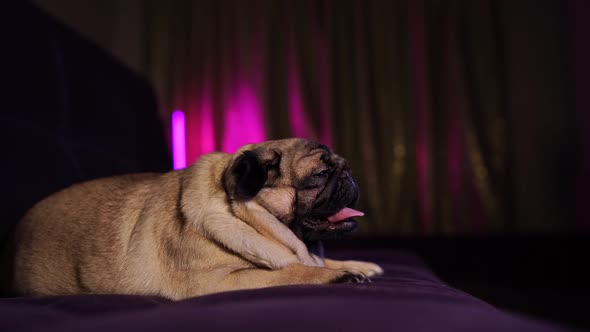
207	133
178	140
243	120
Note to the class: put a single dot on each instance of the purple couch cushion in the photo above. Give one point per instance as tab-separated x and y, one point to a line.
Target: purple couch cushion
407	298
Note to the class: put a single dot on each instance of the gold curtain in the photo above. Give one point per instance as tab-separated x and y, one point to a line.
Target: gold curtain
411	92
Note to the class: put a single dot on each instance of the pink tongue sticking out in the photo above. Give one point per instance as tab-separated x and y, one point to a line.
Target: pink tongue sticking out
345	214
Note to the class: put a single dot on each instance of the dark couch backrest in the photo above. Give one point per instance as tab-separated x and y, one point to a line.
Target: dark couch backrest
68	112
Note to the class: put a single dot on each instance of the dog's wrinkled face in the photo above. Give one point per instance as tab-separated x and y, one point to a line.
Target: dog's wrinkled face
303	183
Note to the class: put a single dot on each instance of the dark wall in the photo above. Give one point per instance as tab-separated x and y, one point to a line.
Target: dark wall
579	25
117	27
542	126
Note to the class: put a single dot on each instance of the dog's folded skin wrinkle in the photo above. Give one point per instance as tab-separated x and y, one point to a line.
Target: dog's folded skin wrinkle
251	219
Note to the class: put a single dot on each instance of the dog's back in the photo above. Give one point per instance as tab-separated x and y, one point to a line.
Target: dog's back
77	235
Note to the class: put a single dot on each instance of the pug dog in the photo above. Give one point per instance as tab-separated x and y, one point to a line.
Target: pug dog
227	222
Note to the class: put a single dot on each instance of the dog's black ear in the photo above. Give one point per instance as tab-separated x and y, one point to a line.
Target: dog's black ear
246	176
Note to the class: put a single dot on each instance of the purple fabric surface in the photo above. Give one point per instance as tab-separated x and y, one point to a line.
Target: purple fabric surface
407	298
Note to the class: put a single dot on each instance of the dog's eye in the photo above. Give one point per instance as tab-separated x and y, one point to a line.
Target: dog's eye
321	174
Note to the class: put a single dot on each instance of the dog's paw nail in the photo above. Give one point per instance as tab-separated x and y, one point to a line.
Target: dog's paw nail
351	278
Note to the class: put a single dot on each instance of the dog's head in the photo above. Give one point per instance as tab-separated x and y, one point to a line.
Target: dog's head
303	183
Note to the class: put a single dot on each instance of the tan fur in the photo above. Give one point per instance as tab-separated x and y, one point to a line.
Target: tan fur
174	235
366	268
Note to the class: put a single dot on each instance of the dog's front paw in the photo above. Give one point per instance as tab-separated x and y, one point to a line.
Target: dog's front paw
316	261
351	277
366	268
308	259
276	263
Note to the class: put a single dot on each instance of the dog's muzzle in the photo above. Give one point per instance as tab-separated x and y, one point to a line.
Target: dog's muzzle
332	213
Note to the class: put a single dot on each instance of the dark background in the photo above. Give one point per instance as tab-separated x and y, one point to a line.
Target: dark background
81	99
